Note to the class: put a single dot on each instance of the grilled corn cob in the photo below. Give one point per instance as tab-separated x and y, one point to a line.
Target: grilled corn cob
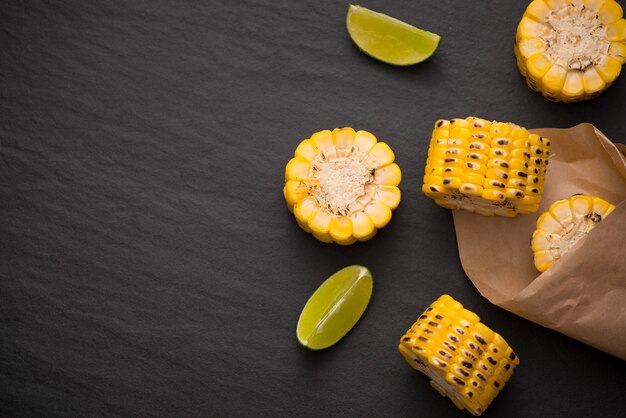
342	185
490	168
566	222
465	360
571	50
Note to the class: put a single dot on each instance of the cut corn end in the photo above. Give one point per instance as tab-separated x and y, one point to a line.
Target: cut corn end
571	50
566	222
490	168
341	185
465	360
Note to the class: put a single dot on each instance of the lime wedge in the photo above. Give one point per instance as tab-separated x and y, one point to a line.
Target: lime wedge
389	40
335	307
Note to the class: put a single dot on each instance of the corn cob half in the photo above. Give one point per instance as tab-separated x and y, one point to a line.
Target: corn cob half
563	225
465	360
490	168
571	50
342	185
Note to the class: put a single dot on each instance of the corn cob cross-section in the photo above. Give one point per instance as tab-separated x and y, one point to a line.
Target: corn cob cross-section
491	168
465	360
571	50
564	224
342	185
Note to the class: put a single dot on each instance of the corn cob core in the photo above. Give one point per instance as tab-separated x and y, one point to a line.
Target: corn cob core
342	185
465	360
490	168
571	50
563	225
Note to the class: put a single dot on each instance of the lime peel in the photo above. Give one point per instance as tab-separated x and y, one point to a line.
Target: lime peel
388	39
335	307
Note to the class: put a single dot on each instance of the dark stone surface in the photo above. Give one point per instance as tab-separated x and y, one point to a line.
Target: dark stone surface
148	263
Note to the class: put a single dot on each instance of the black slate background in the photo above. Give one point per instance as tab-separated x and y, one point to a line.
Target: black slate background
148	264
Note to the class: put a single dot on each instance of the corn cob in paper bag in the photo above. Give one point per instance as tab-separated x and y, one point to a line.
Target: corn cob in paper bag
565	223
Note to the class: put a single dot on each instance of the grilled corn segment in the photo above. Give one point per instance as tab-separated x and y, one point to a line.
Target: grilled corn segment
564	224
465	360
342	185
490	168
571	50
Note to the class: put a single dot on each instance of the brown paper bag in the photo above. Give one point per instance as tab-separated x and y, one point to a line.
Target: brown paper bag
582	295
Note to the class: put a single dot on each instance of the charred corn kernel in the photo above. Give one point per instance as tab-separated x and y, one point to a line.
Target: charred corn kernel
341	185
563	224
571	50
491	176
465	360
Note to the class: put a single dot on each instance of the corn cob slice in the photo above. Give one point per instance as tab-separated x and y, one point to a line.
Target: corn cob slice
465	360
565	223
490	168
342	185
571	50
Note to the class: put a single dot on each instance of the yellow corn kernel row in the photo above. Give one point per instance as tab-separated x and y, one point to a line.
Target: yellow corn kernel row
491	168
465	360
563	225
571	50
341	185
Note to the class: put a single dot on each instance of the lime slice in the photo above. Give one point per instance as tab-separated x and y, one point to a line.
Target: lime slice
389	40
335	307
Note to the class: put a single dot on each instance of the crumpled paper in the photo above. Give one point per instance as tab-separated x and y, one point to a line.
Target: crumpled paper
583	295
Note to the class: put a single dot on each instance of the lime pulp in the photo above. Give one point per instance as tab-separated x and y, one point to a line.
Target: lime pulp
388	39
335	307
